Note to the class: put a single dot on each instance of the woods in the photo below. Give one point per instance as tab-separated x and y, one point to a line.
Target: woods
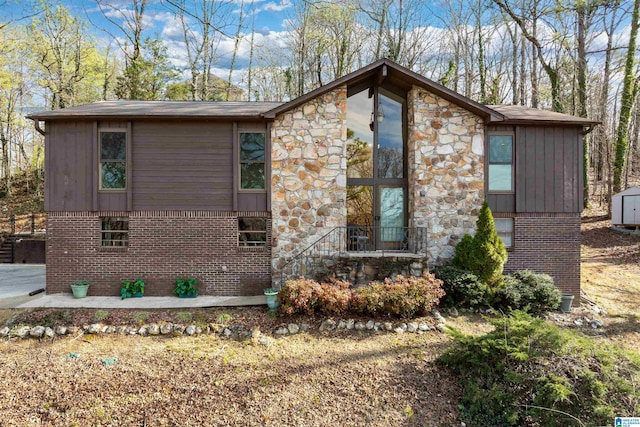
572	56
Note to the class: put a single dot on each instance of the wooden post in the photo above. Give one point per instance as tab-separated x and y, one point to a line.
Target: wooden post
12	222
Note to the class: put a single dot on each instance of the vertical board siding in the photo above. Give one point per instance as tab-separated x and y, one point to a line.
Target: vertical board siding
547	172
69	154
501	202
252	202
112	201
182	165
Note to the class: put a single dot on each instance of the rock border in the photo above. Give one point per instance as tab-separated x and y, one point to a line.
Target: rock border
234	331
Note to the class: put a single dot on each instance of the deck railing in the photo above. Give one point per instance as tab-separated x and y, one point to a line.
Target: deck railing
351	241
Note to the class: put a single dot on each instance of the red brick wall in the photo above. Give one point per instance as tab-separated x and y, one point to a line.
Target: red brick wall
163	245
548	243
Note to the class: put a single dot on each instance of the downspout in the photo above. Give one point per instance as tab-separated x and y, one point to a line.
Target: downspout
36	124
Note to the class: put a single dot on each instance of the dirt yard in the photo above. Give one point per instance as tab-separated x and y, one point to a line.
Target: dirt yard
346	378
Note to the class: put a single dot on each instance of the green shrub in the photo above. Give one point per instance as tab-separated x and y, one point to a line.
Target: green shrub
402	296
529	291
462	288
483	254
530	372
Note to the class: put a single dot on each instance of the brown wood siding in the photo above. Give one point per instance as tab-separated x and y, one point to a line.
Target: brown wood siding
501	202
69	166
182	165
112	201
252	201
548	169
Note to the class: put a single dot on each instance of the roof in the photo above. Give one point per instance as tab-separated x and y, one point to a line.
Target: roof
519	114
396	75
633	191
381	71
160	109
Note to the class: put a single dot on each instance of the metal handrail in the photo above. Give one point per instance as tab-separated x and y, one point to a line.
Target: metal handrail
355	240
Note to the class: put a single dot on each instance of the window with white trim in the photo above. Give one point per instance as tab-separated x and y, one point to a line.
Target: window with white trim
504	227
113	160
252	232
114	232
501	163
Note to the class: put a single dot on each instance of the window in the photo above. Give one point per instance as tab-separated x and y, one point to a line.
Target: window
500	163
113	160
115	232
252	156
504	227
252	232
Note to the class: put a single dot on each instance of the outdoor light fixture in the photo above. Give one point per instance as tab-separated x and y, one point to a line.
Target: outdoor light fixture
374	116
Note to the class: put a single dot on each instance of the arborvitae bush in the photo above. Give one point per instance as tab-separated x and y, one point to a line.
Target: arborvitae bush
462	288
483	254
530	372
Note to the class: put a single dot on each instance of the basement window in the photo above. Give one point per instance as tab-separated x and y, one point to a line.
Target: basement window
504	227
114	232
252	232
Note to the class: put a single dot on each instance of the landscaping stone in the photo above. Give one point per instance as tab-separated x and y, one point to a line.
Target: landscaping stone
328	325
94	328
453	312
342	324
304	327
190	330
61	330
350	324
153	329
166	328
441	327
110	330
37	331
199	331
121	330
377	326
142	331
20	331
412	327
398	330
597	323
293	328
370	324
49	333
282	331
226	332
388	326
424	327
263	340
130	330
178	329
439	318
578	323
360	326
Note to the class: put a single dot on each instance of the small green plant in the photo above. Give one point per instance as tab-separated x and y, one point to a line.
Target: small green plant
186	287
80	283
184	316
529	291
483	254
131	288
271	291
101	315
462	287
141	317
224	318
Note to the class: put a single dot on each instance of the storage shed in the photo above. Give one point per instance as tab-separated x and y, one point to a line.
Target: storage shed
625	208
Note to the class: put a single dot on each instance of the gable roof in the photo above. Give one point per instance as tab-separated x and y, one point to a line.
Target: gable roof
399	76
381	70
159	109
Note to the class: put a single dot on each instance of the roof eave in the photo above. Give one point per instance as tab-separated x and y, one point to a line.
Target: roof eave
508	121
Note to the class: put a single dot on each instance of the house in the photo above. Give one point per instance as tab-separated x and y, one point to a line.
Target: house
382	163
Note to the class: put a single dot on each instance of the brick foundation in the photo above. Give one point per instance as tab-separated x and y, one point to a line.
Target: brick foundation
548	243
163	245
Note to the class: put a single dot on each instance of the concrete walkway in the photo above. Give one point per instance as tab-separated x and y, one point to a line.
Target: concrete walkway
67	301
17	280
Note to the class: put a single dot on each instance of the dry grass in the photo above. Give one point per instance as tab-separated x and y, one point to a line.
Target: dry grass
611	277
305	380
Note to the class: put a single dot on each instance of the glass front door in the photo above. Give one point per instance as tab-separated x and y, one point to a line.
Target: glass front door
376	171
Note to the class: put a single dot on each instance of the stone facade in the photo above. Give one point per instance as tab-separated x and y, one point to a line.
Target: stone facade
446	171
309	174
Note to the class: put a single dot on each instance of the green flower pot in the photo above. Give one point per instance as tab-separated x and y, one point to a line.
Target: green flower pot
79	289
272	300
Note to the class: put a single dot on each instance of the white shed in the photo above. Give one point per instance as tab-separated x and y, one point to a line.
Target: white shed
625	207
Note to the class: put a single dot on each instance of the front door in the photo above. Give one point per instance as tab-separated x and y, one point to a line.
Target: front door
376	170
